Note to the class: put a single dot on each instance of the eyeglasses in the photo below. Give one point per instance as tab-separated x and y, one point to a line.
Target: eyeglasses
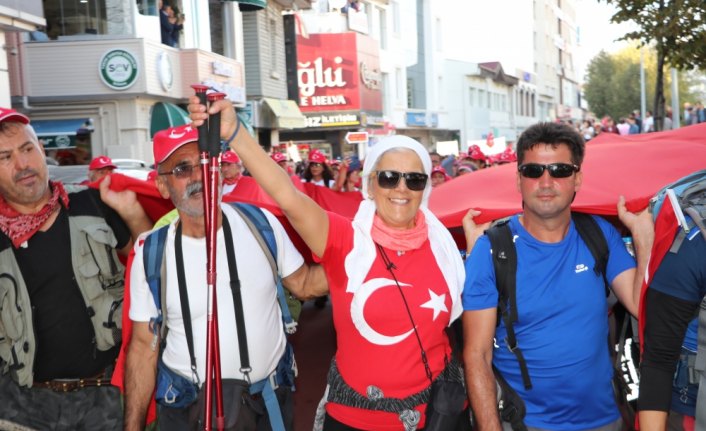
315	164
415	181
181	171
556	170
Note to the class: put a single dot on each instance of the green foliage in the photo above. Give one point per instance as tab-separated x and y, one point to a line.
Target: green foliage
612	84
677	28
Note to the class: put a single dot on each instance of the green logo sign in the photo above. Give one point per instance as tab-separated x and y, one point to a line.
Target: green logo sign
118	69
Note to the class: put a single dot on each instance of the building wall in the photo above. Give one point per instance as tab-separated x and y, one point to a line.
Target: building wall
4	76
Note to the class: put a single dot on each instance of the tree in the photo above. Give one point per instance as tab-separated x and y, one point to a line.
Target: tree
612	84
677	30
597	89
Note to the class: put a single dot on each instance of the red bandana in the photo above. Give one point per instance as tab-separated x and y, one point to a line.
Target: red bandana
20	227
231	181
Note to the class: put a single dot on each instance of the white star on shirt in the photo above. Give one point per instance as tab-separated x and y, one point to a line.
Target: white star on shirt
436	303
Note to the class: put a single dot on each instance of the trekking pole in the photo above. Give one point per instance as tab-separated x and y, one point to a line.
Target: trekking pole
212	370
213	199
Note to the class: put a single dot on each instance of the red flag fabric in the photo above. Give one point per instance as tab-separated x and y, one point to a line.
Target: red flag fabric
635	166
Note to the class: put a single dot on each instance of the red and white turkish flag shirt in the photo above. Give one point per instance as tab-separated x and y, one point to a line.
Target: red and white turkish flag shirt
376	342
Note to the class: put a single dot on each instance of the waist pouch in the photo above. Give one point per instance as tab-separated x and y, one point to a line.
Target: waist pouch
511	408
447	400
174	390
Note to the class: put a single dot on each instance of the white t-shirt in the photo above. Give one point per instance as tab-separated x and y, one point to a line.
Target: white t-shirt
227	188
263	321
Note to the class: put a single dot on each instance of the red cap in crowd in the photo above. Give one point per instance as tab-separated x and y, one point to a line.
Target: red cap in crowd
440	170
317	156
101	162
229	156
507	156
279	157
12	115
475	153
165	142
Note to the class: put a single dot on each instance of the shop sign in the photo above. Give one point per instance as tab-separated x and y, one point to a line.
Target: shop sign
118	69
332	120
338	72
417	119
356	137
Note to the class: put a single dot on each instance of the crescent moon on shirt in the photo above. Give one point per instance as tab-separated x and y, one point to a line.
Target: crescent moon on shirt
360	297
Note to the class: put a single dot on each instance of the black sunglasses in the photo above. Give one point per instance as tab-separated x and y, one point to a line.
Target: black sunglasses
556	170
181	171
415	181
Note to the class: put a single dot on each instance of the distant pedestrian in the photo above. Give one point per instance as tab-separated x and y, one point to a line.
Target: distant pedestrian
100	167
231	170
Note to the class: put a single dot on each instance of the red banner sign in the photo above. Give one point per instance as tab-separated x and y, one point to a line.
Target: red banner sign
338	72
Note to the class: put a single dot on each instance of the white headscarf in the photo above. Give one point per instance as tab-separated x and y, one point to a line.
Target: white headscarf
361	258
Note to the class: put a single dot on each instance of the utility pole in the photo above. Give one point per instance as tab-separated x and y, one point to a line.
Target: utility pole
676	112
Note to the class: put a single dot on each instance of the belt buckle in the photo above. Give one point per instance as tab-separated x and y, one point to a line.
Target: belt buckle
273	380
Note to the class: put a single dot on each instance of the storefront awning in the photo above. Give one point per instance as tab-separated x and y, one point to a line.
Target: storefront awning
251	5
61	133
165	115
286	112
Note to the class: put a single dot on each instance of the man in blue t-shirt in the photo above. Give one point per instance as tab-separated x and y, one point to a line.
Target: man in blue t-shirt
671	302
562	325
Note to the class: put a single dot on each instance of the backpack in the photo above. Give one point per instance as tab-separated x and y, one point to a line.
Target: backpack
505	266
688	196
262	230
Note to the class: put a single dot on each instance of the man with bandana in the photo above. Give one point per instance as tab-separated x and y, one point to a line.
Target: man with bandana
61	289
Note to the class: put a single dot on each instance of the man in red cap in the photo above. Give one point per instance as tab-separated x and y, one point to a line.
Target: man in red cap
231	170
99	168
476	157
65	285
179	179
281	160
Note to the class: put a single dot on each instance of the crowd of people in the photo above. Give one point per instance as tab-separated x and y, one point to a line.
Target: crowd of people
633	123
531	293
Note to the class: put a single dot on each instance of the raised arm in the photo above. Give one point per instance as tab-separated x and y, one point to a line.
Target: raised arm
628	285
305	215
127	206
140	375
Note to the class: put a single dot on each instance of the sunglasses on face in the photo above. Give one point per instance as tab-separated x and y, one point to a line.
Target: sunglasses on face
181	171
415	181
556	170
315	164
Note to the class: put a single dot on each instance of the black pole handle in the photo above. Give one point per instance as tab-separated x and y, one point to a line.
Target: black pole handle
214	127
202	129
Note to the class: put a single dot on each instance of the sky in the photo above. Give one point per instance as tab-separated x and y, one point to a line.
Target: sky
596	31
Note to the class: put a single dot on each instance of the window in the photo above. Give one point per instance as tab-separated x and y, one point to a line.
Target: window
395	17
398	86
472	96
410	92
383	27
481	98
147	7
439	35
81	17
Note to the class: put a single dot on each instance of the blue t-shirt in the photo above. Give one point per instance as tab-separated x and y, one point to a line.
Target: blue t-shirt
683	275
562	325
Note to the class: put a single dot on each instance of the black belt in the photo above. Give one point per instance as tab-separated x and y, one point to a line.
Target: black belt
72	385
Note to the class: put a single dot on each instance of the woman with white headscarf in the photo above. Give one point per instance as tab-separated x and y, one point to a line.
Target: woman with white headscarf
395	279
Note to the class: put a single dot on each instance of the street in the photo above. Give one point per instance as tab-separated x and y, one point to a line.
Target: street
314	345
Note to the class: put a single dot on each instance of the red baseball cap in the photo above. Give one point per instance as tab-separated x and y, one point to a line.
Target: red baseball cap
166	141
279	157
317	157
229	156
7	114
101	162
475	153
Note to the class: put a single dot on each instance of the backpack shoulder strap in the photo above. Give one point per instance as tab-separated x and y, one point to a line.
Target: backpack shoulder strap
261	229
591	234
153	259
505	265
